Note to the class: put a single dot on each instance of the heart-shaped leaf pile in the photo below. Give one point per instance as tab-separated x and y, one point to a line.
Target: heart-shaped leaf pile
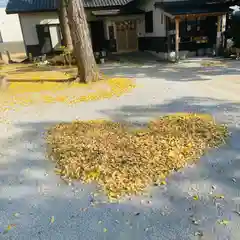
125	161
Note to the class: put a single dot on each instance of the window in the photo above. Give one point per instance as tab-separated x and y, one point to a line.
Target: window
149	22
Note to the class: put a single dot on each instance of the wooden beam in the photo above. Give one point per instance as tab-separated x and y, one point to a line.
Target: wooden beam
177	20
167	33
169	15
192	15
224	22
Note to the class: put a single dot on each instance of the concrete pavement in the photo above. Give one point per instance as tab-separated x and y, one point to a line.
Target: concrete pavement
40	206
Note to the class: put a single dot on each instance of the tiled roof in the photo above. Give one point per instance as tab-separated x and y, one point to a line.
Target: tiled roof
20	6
104	3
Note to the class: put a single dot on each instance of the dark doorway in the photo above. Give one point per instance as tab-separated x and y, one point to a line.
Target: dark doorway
211	27
97	35
44	38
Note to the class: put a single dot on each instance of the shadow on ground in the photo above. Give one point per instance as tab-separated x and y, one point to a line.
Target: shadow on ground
27	190
190	70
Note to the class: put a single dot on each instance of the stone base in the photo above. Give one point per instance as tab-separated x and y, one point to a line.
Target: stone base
171	56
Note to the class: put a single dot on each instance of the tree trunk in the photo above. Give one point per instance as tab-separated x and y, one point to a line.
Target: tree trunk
63	18
82	46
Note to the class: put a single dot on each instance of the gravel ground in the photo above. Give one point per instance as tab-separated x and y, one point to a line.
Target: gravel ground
41	206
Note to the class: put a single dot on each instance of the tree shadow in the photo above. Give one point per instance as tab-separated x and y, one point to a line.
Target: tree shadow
172	71
218	168
36	197
43	68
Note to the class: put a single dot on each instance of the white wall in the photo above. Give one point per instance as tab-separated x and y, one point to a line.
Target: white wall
159	29
10	27
29	22
55	36
11	33
158	26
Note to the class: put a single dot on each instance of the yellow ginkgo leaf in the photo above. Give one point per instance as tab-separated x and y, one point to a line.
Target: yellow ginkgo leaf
223	222
195	197
219	196
163	183
9	227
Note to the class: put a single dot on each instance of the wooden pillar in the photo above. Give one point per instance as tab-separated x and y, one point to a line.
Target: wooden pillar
223	30
218	40
226	31
177	20
167	20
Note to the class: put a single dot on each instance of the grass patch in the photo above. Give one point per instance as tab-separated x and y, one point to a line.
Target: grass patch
125	161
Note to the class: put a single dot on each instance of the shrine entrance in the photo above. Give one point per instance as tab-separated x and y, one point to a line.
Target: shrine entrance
126	36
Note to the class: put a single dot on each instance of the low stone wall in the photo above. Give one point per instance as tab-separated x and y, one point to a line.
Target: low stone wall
16	51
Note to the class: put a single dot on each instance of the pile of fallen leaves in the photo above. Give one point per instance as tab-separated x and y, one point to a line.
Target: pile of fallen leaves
124	160
212	64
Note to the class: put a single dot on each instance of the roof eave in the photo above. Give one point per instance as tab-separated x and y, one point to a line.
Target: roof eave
55	10
199	14
102	8
30	11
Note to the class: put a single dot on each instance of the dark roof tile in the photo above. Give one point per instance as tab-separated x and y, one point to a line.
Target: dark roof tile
20	6
104	3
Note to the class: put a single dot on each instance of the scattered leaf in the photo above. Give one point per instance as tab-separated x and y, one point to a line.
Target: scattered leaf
9	227
196	222
223	222
52	219
195	197
198	233
57	171
163	183
16	214
105	230
219	196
